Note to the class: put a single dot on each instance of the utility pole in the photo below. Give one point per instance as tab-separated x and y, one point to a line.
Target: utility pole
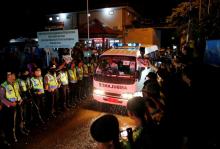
200	10
209	6
87	9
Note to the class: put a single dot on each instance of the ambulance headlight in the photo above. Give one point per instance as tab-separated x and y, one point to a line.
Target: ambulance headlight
127	95
99	92
138	94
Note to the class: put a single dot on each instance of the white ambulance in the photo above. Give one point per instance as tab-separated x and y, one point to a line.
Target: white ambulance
121	74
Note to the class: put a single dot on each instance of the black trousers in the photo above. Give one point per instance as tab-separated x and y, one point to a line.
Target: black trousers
86	81
73	92
64	96
9	122
80	89
51	102
38	107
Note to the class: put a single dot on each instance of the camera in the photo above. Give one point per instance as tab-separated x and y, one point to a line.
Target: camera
126	134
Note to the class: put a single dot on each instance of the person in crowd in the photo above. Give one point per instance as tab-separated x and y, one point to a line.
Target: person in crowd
80	80
86	75
93	66
31	66
73	82
145	135
19	106
64	87
51	87
3	140
26	106
10	98
105	131
37	91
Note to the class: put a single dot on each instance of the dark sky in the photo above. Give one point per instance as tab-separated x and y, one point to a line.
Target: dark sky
26	16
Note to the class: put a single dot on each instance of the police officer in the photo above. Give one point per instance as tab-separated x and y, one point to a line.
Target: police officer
3	141
73	80
64	89
27	101
20	107
92	72
86	78
80	80
51	86
37	91
10	98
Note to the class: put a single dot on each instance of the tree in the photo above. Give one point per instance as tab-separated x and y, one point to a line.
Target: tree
197	20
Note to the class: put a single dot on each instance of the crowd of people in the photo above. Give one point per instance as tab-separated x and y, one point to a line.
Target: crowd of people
169	115
176	111
31	97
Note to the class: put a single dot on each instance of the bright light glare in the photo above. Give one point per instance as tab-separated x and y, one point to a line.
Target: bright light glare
58	18
127	95
12	41
124	133
99	92
50	18
108	11
138	94
63	16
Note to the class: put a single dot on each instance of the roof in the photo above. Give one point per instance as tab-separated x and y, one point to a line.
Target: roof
121	52
97	29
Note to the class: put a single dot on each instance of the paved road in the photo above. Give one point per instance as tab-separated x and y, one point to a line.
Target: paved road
70	130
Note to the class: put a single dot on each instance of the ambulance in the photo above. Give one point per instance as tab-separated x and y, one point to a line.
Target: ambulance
121	74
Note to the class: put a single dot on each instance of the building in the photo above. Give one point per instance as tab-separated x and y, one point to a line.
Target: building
111	24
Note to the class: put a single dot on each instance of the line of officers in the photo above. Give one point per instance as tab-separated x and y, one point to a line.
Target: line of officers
31	100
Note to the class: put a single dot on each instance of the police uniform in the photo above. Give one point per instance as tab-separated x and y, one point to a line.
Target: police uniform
64	89
37	90
10	96
73	80
80	82
51	86
26	106
86	79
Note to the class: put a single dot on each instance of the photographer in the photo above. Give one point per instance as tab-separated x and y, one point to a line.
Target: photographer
144	136
105	131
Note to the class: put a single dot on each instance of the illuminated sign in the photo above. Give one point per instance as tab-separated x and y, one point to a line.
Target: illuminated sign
112	86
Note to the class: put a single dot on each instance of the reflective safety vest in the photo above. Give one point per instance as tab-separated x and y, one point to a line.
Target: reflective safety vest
85	70
52	81
12	91
72	74
80	72
92	68
37	85
64	78
22	85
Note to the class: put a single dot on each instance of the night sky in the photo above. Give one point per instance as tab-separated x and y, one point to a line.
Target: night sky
27	16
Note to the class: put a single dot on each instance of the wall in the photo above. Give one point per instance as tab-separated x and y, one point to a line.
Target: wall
129	17
104	15
143	36
69	19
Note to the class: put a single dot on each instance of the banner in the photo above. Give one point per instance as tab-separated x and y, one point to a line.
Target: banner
58	39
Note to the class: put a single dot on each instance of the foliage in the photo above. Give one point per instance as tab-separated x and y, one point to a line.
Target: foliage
209	24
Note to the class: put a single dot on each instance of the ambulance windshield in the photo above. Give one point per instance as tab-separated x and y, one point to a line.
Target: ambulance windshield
119	66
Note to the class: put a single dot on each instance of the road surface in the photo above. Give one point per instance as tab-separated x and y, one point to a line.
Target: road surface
70	130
